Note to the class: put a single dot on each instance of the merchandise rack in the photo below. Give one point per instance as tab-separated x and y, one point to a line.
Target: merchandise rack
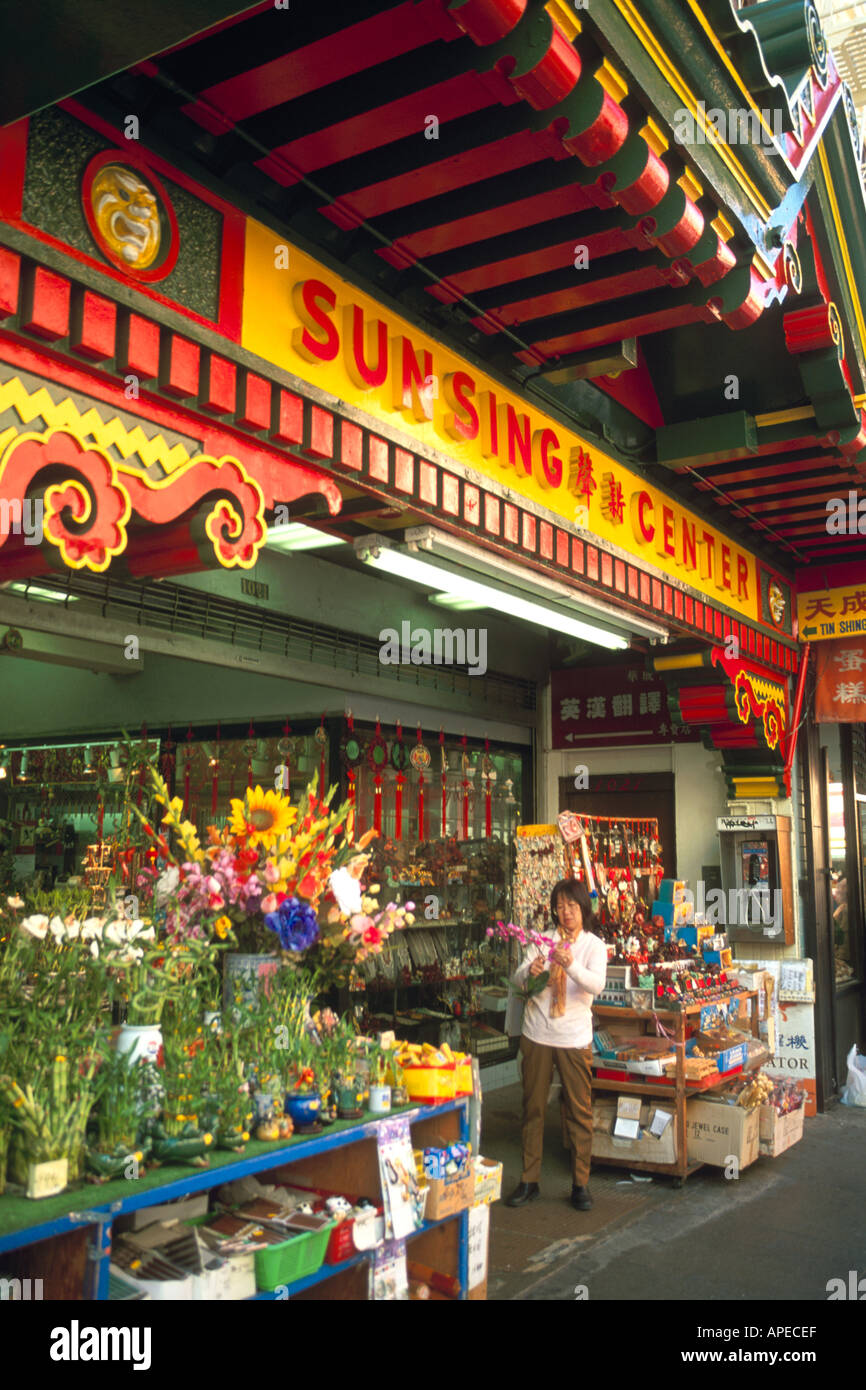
328	1155
679	1092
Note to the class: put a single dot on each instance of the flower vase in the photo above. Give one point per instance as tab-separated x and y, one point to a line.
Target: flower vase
304	1107
350	1098
141	1040
380	1100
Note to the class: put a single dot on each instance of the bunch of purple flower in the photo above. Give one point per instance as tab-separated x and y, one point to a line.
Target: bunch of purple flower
295	923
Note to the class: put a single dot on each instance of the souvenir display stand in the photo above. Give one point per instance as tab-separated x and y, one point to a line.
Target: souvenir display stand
343	1157
680	1091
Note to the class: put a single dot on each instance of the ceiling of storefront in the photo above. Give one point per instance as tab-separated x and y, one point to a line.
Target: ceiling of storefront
430	167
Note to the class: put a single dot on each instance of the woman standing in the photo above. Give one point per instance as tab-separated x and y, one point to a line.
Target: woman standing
557	1029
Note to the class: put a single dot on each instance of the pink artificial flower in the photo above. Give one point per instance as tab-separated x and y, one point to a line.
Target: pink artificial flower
270	903
272	873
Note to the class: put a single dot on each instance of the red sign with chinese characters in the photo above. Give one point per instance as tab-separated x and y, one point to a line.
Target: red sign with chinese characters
612	704
840	692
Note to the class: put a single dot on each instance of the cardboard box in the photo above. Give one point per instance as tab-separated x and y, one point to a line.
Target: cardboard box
488	1180
646	1148
450	1195
779	1132
184	1209
716	1133
478	1292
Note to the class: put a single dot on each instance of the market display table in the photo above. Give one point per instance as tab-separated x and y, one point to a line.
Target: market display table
679	1091
342	1156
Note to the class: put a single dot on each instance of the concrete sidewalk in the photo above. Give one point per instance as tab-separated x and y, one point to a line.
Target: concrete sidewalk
780	1231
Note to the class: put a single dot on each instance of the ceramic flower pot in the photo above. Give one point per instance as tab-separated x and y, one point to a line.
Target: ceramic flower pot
304	1108
380	1100
350	1099
125	1160
140	1040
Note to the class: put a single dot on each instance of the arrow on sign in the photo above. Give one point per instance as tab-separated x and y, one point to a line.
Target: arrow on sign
809	631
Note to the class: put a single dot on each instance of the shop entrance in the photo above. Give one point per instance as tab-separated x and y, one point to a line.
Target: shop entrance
649	794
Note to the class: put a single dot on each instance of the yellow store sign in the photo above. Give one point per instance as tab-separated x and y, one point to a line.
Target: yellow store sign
308	321
831	613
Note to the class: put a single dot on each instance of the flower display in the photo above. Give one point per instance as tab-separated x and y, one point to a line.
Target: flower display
262	818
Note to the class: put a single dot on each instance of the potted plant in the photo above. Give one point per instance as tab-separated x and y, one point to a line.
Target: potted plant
303	1100
49	1120
380	1090
116	1147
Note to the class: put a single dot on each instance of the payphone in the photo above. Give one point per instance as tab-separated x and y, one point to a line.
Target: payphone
757	878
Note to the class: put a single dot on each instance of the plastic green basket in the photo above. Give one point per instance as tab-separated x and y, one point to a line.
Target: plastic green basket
296	1258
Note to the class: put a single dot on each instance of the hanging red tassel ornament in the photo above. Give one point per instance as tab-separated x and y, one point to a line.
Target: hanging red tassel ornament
215	779
167	762
351	755
377	756
420	759
100	815
487	767
186	772
398	762
141	770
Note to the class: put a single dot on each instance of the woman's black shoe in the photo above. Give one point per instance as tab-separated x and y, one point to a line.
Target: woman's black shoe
580	1198
524	1192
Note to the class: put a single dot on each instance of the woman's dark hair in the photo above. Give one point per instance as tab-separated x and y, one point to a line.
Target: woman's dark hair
577	891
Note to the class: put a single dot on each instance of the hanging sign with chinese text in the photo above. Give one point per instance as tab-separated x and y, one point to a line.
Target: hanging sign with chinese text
832	613
613	704
840	691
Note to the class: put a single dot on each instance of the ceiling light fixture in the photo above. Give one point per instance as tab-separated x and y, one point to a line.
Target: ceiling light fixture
294	536
377	552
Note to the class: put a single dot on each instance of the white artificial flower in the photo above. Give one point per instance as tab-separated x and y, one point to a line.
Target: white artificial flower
94	949
347	890
57	927
73	931
137	931
15	902
92	928
37	926
115	933
167	883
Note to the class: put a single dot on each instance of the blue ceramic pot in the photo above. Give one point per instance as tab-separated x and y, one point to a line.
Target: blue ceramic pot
304	1107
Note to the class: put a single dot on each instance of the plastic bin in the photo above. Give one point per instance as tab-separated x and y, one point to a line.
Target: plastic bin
431	1084
296	1258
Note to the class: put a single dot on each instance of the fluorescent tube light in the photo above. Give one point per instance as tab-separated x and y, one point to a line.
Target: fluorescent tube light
453	550
383	557
295	536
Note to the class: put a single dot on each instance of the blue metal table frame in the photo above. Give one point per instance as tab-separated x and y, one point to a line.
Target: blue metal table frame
100	1216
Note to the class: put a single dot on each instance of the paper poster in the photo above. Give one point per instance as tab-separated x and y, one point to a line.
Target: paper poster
390	1275
400	1190
479	1232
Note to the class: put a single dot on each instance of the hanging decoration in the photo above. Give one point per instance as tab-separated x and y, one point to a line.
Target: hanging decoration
351	752
465	765
399	762
443	764
167	761
215	773
186	772
377	757
321	737
488	773
249	749
142	766
420	759
100	814
284	749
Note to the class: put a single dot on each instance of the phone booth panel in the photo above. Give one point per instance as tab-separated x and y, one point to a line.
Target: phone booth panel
757	878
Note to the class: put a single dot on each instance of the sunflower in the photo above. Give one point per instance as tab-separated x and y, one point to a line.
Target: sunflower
262	817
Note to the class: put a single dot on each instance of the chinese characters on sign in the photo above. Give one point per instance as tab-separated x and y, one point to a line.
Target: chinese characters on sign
840	692
613	704
833	613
